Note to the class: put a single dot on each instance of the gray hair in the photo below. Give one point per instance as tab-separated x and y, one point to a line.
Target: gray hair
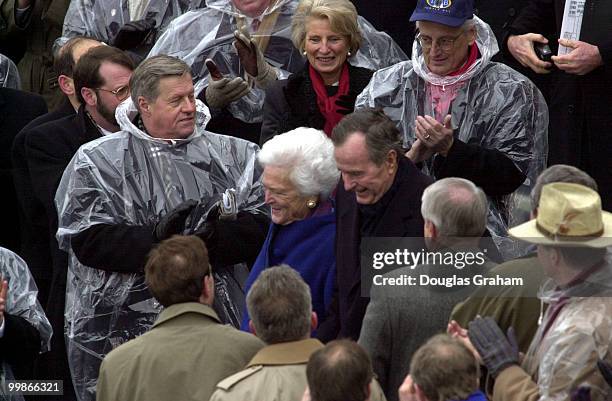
308	156
456	206
280	306
381	134
342	17
560	173
466	26
145	79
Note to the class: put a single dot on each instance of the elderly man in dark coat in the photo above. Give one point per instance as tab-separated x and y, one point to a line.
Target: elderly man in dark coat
379	196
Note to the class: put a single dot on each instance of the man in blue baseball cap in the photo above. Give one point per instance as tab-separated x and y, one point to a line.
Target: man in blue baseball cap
464	115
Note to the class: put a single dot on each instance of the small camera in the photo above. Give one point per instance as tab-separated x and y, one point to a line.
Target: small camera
543	51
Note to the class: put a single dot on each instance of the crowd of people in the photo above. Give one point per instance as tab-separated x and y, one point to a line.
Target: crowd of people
217	200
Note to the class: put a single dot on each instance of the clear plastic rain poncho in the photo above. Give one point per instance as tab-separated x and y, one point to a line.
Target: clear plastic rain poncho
565	356
102	19
496	107
22	302
9	76
209	33
132	178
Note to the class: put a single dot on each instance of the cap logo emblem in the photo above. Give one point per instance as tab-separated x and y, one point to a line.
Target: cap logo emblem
440	4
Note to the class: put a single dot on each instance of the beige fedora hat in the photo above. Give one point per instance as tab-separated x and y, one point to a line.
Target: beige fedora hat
568	215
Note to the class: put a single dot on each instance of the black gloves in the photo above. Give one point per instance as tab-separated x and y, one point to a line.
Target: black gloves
346	103
496	351
606	370
133	34
582	393
174	221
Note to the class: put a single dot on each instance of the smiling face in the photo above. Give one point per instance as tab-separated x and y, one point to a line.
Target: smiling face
444	61
326	50
286	203
172	114
360	174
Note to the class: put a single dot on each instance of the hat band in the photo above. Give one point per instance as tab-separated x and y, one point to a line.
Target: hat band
561	237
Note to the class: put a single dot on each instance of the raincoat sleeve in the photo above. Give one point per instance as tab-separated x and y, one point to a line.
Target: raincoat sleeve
26	328
22	305
102	19
9	76
209	33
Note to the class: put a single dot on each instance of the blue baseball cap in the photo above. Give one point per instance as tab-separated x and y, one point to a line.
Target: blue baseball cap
446	12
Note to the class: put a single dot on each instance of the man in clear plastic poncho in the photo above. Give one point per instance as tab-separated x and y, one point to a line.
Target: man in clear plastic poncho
125	192
249	45
127	24
9	76
465	115
571	232
24	328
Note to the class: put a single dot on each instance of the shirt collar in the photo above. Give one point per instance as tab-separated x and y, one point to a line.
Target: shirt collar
175	310
288	353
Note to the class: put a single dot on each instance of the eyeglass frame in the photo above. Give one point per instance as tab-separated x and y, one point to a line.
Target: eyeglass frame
450	42
116	92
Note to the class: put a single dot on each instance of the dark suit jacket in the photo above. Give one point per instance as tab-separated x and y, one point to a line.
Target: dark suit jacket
17	108
34	226
402	218
48	149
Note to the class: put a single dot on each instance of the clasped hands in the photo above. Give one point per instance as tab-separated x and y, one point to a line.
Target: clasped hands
431	137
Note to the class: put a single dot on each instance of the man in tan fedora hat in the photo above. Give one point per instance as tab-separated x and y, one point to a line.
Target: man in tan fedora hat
572	233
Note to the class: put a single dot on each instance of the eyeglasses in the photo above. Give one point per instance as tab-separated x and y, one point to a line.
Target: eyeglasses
120	93
446	44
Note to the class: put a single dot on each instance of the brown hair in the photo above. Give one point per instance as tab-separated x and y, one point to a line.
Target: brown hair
341	371
445	369
175	269
63	62
87	70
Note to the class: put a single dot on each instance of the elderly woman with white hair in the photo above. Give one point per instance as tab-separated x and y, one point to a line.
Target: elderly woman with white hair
299	176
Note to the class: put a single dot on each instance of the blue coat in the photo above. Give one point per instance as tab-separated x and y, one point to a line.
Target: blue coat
307	246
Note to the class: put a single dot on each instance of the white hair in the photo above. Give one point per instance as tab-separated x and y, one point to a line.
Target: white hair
308	156
456	206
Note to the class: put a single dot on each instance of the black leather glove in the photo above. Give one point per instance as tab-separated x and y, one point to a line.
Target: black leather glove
174	221
133	34
606	370
496	351
582	393
346	103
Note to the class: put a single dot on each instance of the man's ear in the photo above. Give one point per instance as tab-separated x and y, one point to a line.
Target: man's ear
90	96
472	35
391	161
66	85
252	327
430	230
314	321
144	106
208	290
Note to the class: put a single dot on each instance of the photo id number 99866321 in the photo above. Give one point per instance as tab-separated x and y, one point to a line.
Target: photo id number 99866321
33	387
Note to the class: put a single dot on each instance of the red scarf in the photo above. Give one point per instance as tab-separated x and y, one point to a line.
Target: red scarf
327	104
470	60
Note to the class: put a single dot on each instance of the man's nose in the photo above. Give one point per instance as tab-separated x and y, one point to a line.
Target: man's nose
349	183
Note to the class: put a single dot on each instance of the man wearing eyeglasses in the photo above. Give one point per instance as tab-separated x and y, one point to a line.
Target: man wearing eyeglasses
100	81
464	115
